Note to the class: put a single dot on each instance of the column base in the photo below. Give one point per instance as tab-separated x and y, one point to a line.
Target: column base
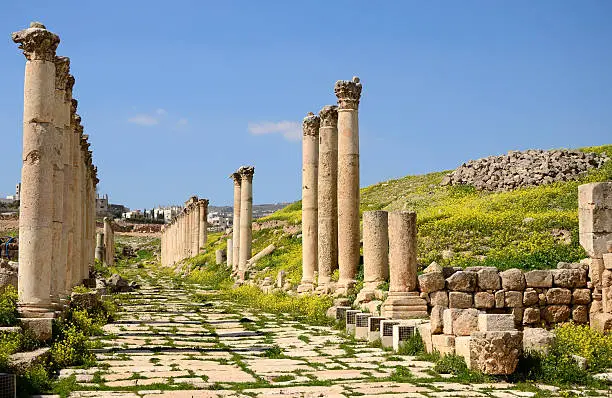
325	288
404	305
344	288
367	295
41	327
305	287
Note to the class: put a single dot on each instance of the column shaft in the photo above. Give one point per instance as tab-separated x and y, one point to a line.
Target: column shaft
246	218
236	221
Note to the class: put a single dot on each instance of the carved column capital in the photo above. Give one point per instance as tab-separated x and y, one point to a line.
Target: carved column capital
36	42
329	116
310	125
348	93
62	70
247	172
236	177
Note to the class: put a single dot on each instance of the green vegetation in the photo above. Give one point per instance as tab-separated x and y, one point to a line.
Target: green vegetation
8	306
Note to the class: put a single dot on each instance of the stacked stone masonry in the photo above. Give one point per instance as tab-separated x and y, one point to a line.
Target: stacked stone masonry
57	200
185	236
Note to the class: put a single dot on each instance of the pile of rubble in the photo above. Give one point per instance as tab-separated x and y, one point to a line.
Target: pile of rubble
522	169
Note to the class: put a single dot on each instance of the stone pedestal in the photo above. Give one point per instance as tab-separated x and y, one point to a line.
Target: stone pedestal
310	162
236	221
37	173
246	218
375	254
404	300
327	197
348	93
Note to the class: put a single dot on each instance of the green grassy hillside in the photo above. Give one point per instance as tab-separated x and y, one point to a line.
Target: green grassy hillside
526	228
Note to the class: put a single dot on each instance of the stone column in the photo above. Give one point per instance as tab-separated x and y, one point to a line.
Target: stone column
246	218
327	197
203	238
195	228
236	221
69	220
100	249
403	300
229	252
77	219
348	93
61	119
310	166
109	239
375	254
36	208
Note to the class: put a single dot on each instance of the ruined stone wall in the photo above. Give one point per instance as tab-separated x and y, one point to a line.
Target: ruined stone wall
538	298
520	169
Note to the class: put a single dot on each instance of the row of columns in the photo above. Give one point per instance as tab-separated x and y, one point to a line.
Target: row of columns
186	235
58	185
330	192
105	244
242	230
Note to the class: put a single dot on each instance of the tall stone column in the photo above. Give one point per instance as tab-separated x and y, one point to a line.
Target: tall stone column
236	221
100	249
403	300
375	254
195	242
348	93
61	120
77	177
36	207
310	166
109	239
203	228
327	197
69	220
246	218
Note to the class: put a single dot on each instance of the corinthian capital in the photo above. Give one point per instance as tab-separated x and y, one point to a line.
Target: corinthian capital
348	93
69	86
36	42
62	70
329	116
246	172
310	125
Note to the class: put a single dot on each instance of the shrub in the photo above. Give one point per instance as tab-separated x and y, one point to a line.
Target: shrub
456	366
35	380
8	306
71	349
413	346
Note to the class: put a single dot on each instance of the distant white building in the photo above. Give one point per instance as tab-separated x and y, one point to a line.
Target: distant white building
17	195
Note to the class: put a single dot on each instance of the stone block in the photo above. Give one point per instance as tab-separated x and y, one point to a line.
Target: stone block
431	282
386	332
580	313
537	339
460	300
500	299
517	313
530	297
462	349
602	322
596	219
581	296
570	278
448	316
460	322
607	261
557	295
462	281
484	300
539	278
443	343
22	361
488	279
596	194
439	298
41	328
531	316
594	243
495	322
496	353
512	279
437	320
425	333
513	299
555	313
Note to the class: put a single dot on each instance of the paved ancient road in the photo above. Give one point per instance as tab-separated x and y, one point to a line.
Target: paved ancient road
166	344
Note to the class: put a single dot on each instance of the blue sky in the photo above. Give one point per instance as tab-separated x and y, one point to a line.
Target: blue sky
175	95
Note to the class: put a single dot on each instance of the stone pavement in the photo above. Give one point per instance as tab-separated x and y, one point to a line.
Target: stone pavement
165	343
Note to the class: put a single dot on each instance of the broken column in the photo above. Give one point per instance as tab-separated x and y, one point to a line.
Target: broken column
229	252
203	229
109	243
403	300
36	207
246	217
595	232
310	162
236	221
348	93
100	249
375	254
327	197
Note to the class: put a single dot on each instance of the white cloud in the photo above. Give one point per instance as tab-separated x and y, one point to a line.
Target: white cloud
145	119
182	122
291	131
